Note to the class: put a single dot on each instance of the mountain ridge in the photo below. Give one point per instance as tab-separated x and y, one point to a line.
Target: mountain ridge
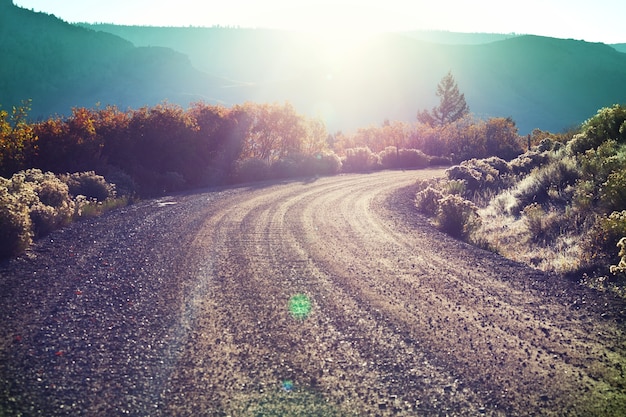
547	83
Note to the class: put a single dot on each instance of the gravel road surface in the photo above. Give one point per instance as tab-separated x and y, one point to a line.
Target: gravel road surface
327	296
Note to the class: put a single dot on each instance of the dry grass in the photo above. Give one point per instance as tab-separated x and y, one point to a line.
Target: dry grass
519	238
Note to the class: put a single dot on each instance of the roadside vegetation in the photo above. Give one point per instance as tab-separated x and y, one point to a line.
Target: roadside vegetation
64	168
559	207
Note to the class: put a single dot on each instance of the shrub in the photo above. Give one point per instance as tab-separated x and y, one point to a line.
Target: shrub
322	163
500	165
457	216
502	139
427	201
468	174
122	183
390	157
620	268
90	185
15	223
547	182
609	123
360	159
413	158
46	219
252	169
543	225
491	173
54	208
440	161
598	164
525	163
287	167
457	187
600	242
613	191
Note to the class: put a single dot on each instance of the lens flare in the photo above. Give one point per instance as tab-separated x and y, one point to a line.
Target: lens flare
300	306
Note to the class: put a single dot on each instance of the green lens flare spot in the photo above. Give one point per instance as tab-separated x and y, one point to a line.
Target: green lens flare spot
287	386
300	306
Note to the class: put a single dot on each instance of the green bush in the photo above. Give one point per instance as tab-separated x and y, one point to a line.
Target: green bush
597	164
613	191
427	201
609	123
602	238
457	216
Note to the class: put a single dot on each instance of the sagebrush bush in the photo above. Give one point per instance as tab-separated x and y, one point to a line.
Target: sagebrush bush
549	182
15	223
440	161
322	163
620	268
457	216
525	163
466	173
252	169
427	201
90	185
390	157
55	206
34	203
122	183
458	187
359	160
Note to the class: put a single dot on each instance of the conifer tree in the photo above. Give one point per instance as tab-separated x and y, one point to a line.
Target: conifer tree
452	105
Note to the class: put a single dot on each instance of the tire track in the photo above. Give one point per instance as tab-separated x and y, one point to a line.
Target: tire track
394	308
194	299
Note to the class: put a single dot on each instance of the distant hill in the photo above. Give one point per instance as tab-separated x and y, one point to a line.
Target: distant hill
457	38
621	47
552	84
540	82
61	66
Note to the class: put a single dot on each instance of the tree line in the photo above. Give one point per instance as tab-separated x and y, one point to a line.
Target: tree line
168	148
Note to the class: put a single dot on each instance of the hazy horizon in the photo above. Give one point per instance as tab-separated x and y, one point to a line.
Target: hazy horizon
575	19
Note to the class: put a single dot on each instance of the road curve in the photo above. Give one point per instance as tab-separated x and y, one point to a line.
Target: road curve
181	307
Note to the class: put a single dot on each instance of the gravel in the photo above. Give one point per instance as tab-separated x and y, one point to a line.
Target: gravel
180	306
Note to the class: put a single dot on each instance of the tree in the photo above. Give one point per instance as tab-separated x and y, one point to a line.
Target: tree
452	105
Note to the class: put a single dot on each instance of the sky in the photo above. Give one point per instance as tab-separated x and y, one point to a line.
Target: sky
589	20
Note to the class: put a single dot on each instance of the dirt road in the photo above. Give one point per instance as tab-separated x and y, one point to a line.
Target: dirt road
322	297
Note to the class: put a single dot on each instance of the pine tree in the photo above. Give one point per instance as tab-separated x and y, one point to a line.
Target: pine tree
452	105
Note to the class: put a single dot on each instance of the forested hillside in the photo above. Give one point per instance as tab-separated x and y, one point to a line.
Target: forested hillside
546	83
60	66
